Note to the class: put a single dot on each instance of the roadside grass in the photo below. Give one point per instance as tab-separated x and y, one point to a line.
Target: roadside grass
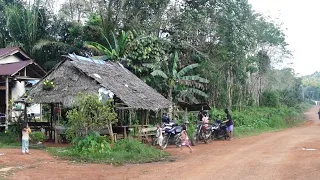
254	121
123	151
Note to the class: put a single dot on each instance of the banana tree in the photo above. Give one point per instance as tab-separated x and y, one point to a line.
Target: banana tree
181	84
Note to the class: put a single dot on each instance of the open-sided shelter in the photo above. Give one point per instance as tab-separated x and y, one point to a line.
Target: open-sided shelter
76	74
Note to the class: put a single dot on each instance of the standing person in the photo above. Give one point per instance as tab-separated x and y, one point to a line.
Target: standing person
25	139
205	121
200	115
185	139
159	135
229	124
319	114
165	118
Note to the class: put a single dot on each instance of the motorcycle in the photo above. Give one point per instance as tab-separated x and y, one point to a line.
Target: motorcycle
172	135
219	130
203	133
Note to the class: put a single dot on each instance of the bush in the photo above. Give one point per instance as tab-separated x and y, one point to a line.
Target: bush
36	137
91	144
270	99
9	139
123	151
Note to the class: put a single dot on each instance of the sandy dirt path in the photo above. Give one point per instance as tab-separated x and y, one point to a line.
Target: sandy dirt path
289	154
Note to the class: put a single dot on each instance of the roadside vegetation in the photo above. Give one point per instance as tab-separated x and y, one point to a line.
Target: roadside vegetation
95	149
86	119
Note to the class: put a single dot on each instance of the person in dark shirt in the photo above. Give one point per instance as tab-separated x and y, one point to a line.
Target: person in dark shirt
165	118
229	124
200	115
319	114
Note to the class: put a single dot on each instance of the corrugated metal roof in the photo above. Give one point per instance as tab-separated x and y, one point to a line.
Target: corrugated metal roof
12	68
6	51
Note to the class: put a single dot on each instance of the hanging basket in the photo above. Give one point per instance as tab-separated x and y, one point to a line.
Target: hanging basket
48	85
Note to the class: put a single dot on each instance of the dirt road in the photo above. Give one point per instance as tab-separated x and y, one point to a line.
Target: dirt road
290	154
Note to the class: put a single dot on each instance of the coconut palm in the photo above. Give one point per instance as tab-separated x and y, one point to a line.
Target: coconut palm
181	84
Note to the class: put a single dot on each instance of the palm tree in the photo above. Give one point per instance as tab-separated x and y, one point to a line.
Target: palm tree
181	86
23	24
115	49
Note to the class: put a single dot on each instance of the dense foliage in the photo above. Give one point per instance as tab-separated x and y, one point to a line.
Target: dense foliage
234	47
90	114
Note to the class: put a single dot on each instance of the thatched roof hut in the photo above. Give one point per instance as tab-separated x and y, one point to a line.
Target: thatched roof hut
73	76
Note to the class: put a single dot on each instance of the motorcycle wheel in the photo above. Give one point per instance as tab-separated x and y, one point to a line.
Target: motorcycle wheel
212	136
206	137
165	142
178	140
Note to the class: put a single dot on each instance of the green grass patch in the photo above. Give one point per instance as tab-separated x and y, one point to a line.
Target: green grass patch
123	151
254	120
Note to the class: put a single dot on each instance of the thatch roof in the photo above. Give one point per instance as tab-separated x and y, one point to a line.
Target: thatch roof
73	76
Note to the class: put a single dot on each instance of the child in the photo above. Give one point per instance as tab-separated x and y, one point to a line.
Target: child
185	139
43	130
25	139
159	135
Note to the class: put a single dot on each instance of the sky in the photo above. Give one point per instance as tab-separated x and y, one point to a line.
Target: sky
300	19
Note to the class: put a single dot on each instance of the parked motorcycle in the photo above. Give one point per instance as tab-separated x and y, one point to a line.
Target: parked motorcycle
219	130
203	133
172	135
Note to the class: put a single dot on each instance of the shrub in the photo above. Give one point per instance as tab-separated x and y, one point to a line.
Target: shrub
9	139
270	99
91	144
123	151
36	137
90	114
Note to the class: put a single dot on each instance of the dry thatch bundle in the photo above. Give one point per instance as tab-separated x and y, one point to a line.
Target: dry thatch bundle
73	76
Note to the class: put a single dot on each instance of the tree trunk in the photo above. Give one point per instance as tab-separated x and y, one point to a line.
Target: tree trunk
111	132
170	100
229	86
260	90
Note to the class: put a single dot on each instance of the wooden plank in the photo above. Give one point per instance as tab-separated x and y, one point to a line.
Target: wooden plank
25	78
144	130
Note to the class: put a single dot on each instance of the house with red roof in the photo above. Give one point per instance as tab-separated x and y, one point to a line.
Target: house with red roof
17	72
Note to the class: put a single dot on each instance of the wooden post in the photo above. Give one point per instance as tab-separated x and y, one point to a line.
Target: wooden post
147	117
186	115
130	117
51	119
41	112
7	102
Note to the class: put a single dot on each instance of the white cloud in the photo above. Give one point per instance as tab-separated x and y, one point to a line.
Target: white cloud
303	35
